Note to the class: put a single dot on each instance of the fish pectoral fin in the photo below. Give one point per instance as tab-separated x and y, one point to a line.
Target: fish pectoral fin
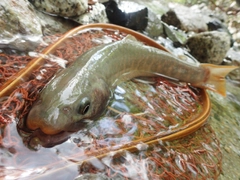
216	81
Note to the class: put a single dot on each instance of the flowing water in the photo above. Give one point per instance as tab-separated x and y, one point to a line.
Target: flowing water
23	156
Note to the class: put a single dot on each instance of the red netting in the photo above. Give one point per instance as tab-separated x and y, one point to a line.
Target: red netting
10	65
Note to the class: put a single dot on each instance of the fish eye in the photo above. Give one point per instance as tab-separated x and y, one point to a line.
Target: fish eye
84	106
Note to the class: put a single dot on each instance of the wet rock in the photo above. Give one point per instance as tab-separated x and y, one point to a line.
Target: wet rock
141	15
96	14
234	55
19	26
185	18
62	8
177	36
234	26
22	26
53	25
114	14
209	47
215	14
196	18
127	14
154	27
216	20
156	9
216	25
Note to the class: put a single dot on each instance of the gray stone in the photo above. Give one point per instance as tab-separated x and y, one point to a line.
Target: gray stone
156	9
22	26
209	47
234	55
154	27
234	27
176	35
186	18
54	24
96	14
62	8
19	26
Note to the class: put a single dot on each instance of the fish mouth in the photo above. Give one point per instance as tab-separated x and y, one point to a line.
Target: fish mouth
38	124
49	141
37	119
35	134
38	137
49	137
35	137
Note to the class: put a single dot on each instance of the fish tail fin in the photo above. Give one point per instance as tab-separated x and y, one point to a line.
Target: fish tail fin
216	81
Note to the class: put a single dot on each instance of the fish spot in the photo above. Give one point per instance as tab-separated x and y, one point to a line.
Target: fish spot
66	110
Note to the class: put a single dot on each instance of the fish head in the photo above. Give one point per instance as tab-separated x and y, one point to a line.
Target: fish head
69	108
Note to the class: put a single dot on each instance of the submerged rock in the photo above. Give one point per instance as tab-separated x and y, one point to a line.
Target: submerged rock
62	8
209	47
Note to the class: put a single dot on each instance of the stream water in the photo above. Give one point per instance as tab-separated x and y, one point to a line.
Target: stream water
20	160
225	120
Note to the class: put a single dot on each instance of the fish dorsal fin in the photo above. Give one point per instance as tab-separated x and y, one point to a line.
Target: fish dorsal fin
130	37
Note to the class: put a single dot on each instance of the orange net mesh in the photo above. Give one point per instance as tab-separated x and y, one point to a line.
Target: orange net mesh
135	138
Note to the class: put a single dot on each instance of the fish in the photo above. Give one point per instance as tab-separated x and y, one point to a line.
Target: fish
80	93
